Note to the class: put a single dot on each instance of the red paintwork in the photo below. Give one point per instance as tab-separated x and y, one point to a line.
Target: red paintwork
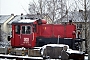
52	30
15	41
44	21
22	40
59	30
12	39
70	29
44	30
26	40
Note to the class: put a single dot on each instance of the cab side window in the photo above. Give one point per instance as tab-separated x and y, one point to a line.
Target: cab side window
28	30
17	29
34	28
23	29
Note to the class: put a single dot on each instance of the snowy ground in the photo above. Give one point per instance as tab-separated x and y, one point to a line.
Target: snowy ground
7	59
86	58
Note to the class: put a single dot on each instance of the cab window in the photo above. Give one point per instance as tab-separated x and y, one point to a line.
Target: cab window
34	28
23	29
26	30
17	29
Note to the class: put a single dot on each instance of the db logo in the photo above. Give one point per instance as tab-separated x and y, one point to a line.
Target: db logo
26	40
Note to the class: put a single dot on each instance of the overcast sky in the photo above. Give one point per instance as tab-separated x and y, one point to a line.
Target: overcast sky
17	7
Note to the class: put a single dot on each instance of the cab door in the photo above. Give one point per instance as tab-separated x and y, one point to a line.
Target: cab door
15	42
26	36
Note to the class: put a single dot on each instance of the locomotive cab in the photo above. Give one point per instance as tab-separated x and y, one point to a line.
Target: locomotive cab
23	34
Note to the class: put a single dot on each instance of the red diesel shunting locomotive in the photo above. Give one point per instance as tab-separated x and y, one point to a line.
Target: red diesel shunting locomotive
30	33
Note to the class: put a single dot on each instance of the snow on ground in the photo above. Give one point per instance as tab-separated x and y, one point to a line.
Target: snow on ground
7	59
86	58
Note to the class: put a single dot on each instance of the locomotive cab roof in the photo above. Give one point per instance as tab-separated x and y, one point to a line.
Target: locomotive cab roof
24	21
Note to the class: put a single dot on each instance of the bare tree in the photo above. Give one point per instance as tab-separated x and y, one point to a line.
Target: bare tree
56	9
85	7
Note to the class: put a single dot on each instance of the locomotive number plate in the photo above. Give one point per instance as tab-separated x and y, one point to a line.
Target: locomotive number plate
26	40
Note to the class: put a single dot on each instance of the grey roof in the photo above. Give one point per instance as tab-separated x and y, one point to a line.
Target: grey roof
3	18
75	16
18	17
